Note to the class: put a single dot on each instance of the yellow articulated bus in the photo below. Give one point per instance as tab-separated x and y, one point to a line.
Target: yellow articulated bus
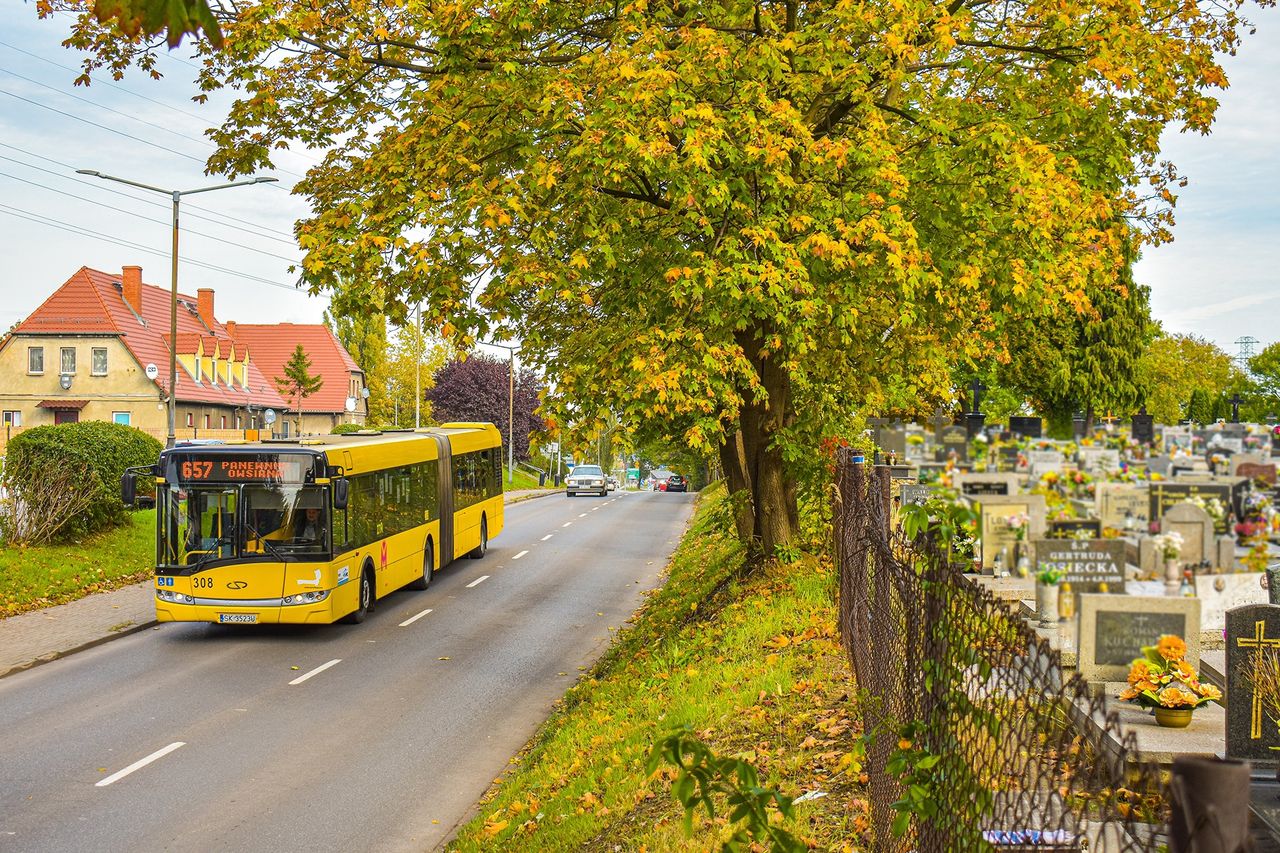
318	529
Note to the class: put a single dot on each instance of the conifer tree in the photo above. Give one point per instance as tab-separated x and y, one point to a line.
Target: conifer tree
298	383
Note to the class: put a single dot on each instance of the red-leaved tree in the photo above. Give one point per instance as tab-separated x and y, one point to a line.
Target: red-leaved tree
476	389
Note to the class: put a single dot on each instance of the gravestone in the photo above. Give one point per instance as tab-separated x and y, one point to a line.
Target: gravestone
1220	593
1026	427
1179	439
1196	527
996	537
1112	630
986	484
1075	528
1086	564
916	446
1161	465
1099	460
1238	459
954	439
1116	502
1040	462
1265	474
1252	733
1164	495
1007	459
1143	429
892	440
914	494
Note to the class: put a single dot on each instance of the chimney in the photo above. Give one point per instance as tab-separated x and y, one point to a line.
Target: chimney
231	329
132	288
204	306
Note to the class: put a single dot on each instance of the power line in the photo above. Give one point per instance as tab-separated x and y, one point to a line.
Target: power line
148	218
127	191
204	142
80	231
101	82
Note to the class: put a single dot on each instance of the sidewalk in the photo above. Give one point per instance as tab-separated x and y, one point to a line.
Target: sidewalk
44	635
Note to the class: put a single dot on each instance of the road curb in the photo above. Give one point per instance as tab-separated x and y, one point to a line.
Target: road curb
522	498
62	653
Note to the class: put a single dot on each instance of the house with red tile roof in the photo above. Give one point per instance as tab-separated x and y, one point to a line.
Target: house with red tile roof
98	349
341	399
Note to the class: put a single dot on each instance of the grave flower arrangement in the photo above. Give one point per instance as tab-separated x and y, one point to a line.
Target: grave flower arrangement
1163	679
1168	544
1213	506
1018	524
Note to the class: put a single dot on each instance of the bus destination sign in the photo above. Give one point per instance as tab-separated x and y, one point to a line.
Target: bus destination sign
244	468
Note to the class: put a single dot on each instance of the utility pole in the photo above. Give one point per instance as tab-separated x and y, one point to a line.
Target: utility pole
417	370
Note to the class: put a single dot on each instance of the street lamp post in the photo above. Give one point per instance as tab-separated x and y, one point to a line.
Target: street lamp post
176	195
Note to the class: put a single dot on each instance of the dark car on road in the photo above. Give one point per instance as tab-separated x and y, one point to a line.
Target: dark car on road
676	483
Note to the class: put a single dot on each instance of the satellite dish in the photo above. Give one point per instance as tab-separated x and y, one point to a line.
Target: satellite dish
152	371
351	404
269	416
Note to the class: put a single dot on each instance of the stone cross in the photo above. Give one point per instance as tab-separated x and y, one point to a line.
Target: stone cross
1259	642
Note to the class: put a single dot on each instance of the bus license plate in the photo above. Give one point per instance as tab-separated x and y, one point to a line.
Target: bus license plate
238	617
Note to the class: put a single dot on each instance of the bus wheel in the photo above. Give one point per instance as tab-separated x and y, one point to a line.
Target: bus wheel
428	567
480	550
366	597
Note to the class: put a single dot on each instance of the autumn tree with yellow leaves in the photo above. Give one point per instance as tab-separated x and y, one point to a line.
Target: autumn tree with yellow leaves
736	223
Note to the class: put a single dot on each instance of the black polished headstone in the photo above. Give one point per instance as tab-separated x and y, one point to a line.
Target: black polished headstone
1069	528
1143	429
1027	427
1252	732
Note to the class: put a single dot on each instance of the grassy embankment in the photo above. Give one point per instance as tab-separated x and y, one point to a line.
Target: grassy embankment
35	577
752	664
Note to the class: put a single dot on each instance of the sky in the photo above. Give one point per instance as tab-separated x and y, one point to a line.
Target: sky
1218	279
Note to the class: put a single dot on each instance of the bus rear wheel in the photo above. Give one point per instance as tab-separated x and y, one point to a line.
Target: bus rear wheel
480	550
428	567
366	597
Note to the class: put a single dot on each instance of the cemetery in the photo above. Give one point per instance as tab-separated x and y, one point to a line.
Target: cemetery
1134	570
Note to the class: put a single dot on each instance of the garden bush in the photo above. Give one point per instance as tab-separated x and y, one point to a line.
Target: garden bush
64	481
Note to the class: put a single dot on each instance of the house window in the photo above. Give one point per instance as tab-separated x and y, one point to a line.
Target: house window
206	421
99	364
68	359
191	419
13	419
35	359
224	421
122	418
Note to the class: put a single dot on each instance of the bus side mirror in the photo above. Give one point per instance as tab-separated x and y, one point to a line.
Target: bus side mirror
341	487
127	488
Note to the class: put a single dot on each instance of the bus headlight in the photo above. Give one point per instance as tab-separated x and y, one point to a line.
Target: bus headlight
174	597
306	597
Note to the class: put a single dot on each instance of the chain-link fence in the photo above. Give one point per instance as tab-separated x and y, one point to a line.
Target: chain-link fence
980	740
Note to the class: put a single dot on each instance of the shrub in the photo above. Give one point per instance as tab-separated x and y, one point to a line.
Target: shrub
343	429
64	481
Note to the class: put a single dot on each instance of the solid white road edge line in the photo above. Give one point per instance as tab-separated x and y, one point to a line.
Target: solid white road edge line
548	536
406	623
139	764
521	554
321	668
478	581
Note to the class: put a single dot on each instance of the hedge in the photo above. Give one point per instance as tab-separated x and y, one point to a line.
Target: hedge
98	451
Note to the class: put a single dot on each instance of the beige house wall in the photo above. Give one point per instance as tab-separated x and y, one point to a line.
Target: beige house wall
123	388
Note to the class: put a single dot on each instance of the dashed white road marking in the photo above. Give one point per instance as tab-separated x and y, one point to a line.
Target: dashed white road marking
406	623
321	668
478	581
582	515
139	764
566	524
548	536
521	554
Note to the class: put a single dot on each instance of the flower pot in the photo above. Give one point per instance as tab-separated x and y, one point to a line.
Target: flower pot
1047	604
1174	718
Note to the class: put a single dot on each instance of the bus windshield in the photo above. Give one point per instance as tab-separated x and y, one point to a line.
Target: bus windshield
200	524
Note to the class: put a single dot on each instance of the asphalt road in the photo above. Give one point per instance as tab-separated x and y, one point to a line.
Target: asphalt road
400	727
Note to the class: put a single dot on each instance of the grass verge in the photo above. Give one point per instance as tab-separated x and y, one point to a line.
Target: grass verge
750	661
522	479
38	576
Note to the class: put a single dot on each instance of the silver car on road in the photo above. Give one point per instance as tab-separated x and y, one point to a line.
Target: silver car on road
586	478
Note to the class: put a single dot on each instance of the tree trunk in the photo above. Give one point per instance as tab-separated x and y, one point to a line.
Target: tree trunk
773	489
734	462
